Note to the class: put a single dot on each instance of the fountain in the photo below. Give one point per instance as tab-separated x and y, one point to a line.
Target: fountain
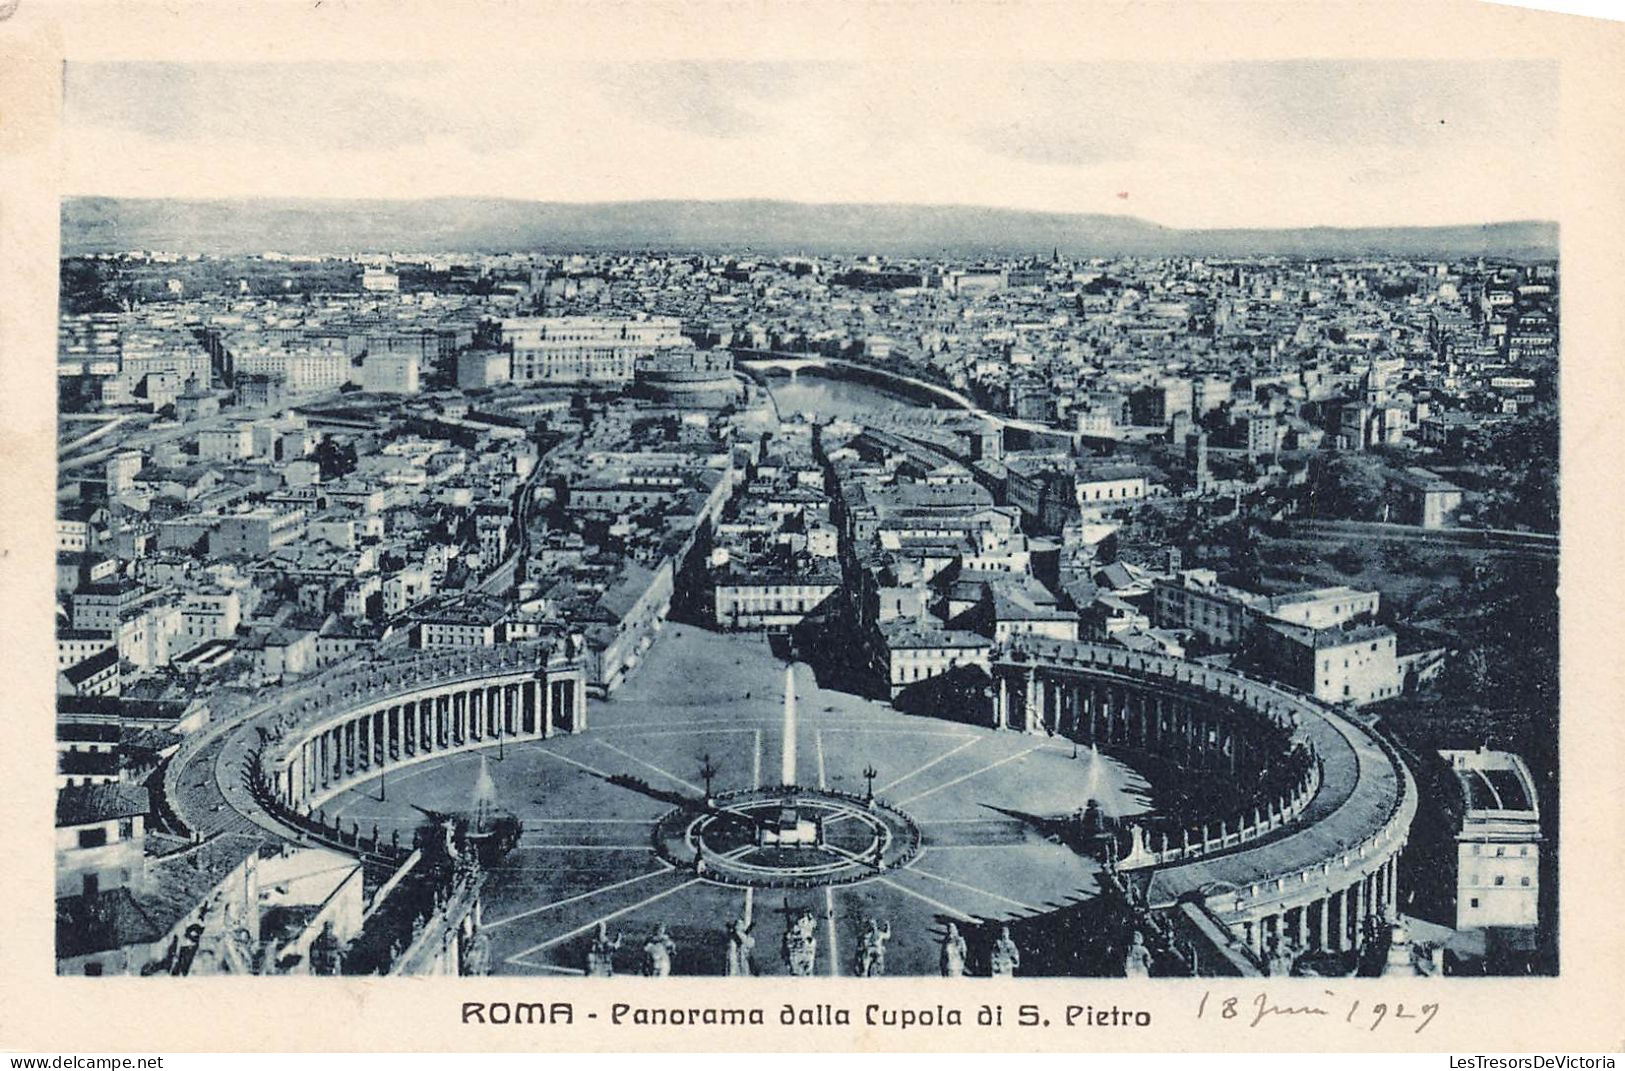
483	832
485	798
1092	774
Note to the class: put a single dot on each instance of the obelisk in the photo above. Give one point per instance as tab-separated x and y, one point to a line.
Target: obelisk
787	772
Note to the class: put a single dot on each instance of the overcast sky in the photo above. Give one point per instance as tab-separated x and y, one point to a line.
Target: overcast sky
1229	145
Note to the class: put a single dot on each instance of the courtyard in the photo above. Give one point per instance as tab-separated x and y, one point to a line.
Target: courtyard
590	806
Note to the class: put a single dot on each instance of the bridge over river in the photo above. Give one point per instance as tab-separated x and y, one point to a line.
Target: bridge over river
761	363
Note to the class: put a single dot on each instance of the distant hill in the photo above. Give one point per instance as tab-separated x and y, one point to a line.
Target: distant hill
103	224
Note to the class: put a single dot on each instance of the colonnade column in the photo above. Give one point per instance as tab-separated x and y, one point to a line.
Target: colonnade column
1357	891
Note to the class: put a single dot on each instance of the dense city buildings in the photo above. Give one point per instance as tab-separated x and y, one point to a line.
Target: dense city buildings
1267	537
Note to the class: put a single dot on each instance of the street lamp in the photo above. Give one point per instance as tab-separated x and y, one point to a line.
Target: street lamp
869	774
707	771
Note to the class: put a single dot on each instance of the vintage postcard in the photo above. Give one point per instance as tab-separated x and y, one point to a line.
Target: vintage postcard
714	526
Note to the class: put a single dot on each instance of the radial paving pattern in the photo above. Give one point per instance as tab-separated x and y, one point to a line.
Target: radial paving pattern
592	807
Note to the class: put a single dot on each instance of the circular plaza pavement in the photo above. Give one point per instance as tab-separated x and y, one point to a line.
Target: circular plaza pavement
592	808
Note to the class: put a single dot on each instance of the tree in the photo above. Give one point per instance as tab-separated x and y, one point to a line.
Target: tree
1467	675
335	458
1348	559
1350	486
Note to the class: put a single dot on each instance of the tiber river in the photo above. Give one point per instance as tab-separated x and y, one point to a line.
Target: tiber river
830	398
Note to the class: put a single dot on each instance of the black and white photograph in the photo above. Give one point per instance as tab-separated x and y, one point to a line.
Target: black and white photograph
851	525
1089	519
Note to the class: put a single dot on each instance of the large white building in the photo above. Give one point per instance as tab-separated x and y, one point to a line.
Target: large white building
748	599
230	443
912	652
1355	664
210	615
1110	487
390	373
477	368
1498	846
121	470
585	349
1224	616
380	280
302	371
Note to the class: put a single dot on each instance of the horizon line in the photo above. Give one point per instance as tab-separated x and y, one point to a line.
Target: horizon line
970	206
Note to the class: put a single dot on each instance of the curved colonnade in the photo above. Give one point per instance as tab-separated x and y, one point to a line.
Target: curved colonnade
278	763
427	709
1312	865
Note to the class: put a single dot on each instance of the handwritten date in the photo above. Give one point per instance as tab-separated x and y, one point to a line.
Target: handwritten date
1261	1008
